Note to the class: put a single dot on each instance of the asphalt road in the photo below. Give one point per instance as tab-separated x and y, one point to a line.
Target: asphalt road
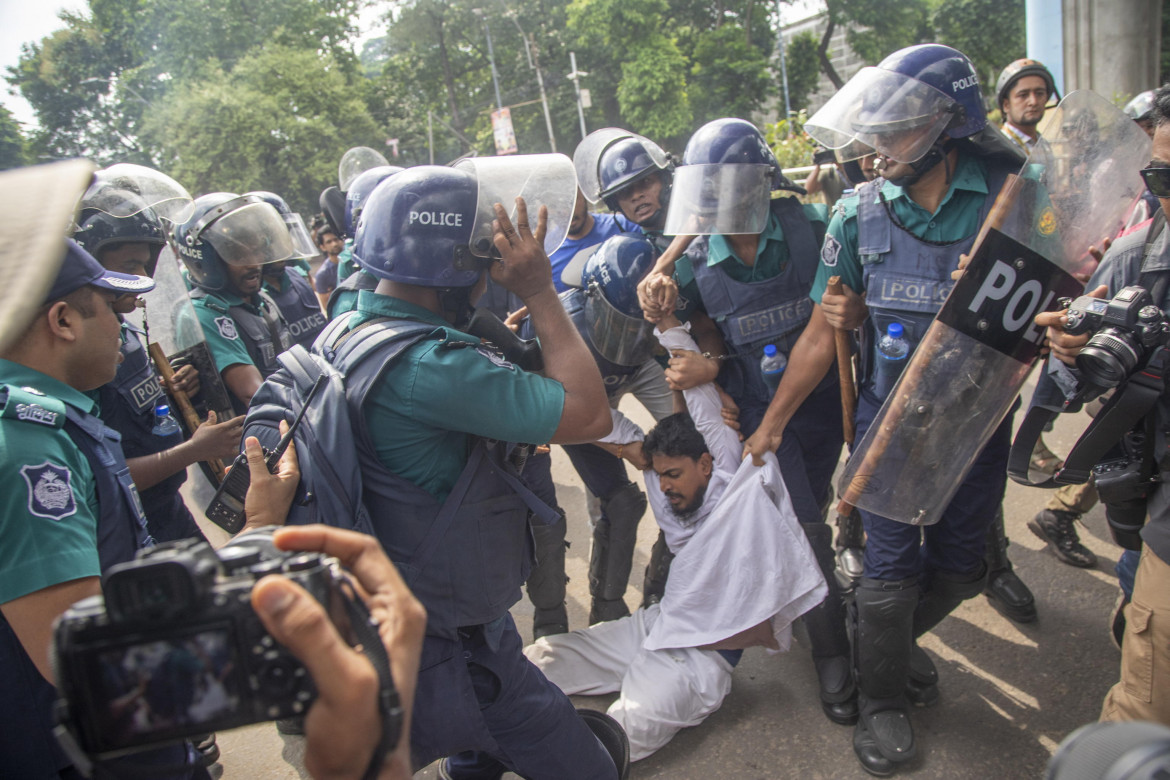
1010	693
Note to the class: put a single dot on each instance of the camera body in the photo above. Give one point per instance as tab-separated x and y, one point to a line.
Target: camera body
175	649
1125	332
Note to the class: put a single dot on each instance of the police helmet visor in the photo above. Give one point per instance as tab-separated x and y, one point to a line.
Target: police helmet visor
124	190
898	116
587	155
618	337
355	162
541	179
245	232
854	150
302	241
719	199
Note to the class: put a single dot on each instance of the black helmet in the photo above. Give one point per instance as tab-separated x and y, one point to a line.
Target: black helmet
97	231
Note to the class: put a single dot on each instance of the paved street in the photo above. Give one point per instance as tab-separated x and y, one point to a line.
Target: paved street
1009	693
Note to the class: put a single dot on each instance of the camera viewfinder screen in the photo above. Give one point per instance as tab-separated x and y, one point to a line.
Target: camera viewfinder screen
154	690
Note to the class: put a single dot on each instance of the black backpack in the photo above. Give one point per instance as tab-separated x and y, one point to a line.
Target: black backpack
347	364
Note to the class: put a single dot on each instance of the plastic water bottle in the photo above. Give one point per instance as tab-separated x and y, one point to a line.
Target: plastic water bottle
164	422
891	358
772	365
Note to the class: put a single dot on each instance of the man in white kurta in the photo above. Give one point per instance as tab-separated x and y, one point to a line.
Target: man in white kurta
743	572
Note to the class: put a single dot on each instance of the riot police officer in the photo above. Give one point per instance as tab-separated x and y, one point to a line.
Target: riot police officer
70	509
922	111
287	282
446	501
750	270
224	244
345	292
606	313
635	175
126	235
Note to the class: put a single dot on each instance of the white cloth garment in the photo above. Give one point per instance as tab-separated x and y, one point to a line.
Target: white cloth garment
751	564
662	691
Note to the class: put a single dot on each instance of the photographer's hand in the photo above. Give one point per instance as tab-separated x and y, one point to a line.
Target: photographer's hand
1060	343
343	726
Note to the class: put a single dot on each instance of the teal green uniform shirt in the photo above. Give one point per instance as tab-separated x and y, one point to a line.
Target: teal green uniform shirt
771	255
957	218
346	265
223	337
47	535
444	389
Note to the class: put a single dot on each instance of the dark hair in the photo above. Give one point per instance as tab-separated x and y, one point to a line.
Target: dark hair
1161	105
675	436
321	231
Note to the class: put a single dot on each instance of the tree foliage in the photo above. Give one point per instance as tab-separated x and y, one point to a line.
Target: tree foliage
800	56
990	32
12	151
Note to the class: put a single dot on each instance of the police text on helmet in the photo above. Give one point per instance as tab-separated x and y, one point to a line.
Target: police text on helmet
448	218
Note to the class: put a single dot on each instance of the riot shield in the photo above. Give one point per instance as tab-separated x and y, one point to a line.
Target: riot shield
966	372
586	156
171	327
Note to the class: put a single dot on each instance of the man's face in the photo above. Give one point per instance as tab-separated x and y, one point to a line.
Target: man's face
274	270
1161	155
244	280
867	168
1147	125
683	480
1025	101
330	244
128	259
580	216
97	351
640	201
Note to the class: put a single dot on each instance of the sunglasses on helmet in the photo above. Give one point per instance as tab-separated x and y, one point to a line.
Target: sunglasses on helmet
1157	178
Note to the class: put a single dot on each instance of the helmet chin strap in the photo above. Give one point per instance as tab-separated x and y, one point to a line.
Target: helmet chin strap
924	164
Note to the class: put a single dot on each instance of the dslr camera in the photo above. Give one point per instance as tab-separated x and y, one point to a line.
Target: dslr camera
175	650
1126	330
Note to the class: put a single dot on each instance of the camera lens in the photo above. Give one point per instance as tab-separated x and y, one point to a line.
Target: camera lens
1108	358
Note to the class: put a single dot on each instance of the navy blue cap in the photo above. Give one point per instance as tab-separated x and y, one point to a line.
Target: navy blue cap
80	268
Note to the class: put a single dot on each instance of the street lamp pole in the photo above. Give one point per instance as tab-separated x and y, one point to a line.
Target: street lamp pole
534	62
491	58
575	76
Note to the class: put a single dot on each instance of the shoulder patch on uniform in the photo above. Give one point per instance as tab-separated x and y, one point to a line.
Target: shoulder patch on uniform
28	404
227	328
49	491
830	250
493	356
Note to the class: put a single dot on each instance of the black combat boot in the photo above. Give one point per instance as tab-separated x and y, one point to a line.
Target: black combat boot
1005	591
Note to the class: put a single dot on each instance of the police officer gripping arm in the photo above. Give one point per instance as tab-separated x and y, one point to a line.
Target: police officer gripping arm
436	413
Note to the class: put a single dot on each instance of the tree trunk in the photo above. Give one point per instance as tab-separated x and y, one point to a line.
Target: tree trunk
448	77
823	55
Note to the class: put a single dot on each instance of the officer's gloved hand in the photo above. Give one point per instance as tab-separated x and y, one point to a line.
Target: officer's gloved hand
343	726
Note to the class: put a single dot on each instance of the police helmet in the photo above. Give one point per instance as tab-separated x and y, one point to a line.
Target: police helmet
302	242
1141	108
98	231
227	229
359	190
612	312
629	160
735	142
355	162
1018	70
416	227
904	105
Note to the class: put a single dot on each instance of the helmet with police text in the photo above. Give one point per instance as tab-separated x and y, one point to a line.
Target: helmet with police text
1141	108
359	190
905	105
303	246
612	312
227	229
629	160
98	231
723	186
416	228
1018	70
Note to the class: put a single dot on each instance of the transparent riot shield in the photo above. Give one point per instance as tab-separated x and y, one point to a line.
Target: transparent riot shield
967	370
172	329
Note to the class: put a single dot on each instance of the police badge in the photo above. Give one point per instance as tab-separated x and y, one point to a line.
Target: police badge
227	328
49	491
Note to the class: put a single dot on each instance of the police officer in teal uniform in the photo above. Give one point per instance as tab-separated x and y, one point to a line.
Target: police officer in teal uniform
224	244
922	111
125	234
68	508
445	498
